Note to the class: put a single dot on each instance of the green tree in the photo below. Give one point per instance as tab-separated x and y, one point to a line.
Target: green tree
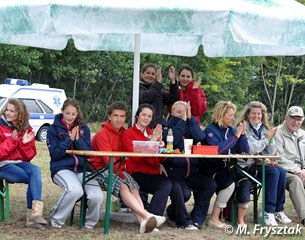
97	79
19	62
280	84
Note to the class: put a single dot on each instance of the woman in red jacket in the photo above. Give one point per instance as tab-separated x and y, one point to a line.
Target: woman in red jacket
149	171
17	144
191	91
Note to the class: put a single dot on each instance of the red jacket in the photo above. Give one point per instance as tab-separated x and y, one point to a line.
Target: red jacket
197	100
12	149
107	139
150	165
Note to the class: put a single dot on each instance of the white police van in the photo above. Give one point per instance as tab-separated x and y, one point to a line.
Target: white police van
42	102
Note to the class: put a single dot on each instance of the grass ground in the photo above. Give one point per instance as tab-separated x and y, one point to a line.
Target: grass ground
15	228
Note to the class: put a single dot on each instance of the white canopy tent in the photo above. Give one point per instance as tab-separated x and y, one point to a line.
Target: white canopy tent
174	27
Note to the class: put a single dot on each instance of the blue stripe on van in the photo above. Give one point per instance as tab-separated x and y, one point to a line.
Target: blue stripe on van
42	116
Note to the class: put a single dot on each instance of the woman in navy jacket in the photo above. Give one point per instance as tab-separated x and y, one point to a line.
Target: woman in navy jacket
229	141
185	170
70	132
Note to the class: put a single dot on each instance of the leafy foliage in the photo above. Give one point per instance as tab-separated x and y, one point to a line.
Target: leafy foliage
97	79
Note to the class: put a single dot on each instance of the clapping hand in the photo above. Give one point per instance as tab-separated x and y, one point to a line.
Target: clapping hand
172	74
271	133
27	137
188	110
157	133
241	129
74	134
159	75
197	83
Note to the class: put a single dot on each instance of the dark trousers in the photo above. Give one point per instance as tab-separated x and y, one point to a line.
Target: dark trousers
161	187
242	187
203	188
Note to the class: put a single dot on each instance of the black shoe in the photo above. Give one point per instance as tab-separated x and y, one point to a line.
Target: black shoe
199	226
189	227
170	214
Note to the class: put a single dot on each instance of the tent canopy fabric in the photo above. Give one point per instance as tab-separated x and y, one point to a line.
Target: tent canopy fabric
174	27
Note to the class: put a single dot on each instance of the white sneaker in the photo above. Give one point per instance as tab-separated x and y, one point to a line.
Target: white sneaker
270	219
89	227
160	220
148	224
191	228
155	230
55	224
281	217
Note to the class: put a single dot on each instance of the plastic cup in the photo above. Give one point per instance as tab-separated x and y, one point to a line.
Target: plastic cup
188	143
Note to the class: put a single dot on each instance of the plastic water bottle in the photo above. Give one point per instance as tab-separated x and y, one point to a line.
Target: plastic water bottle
170	140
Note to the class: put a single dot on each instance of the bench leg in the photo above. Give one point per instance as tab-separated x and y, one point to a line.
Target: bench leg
2	196
83	208
72	216
233	213
108	198
4	201
255	204
7	202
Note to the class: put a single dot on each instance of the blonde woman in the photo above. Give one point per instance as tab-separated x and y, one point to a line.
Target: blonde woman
229	140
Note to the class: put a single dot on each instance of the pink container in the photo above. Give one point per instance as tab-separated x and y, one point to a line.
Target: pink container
145	146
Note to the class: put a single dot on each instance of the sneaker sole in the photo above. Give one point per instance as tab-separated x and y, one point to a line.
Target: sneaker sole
151	224
191	229
283	221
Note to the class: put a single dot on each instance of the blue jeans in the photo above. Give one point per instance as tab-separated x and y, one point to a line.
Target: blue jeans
27	173
275	184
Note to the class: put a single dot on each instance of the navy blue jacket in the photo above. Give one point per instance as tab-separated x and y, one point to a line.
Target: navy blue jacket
182	129
215	136
58	142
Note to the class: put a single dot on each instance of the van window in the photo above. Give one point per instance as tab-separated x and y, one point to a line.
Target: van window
2	100
46	108
32	106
